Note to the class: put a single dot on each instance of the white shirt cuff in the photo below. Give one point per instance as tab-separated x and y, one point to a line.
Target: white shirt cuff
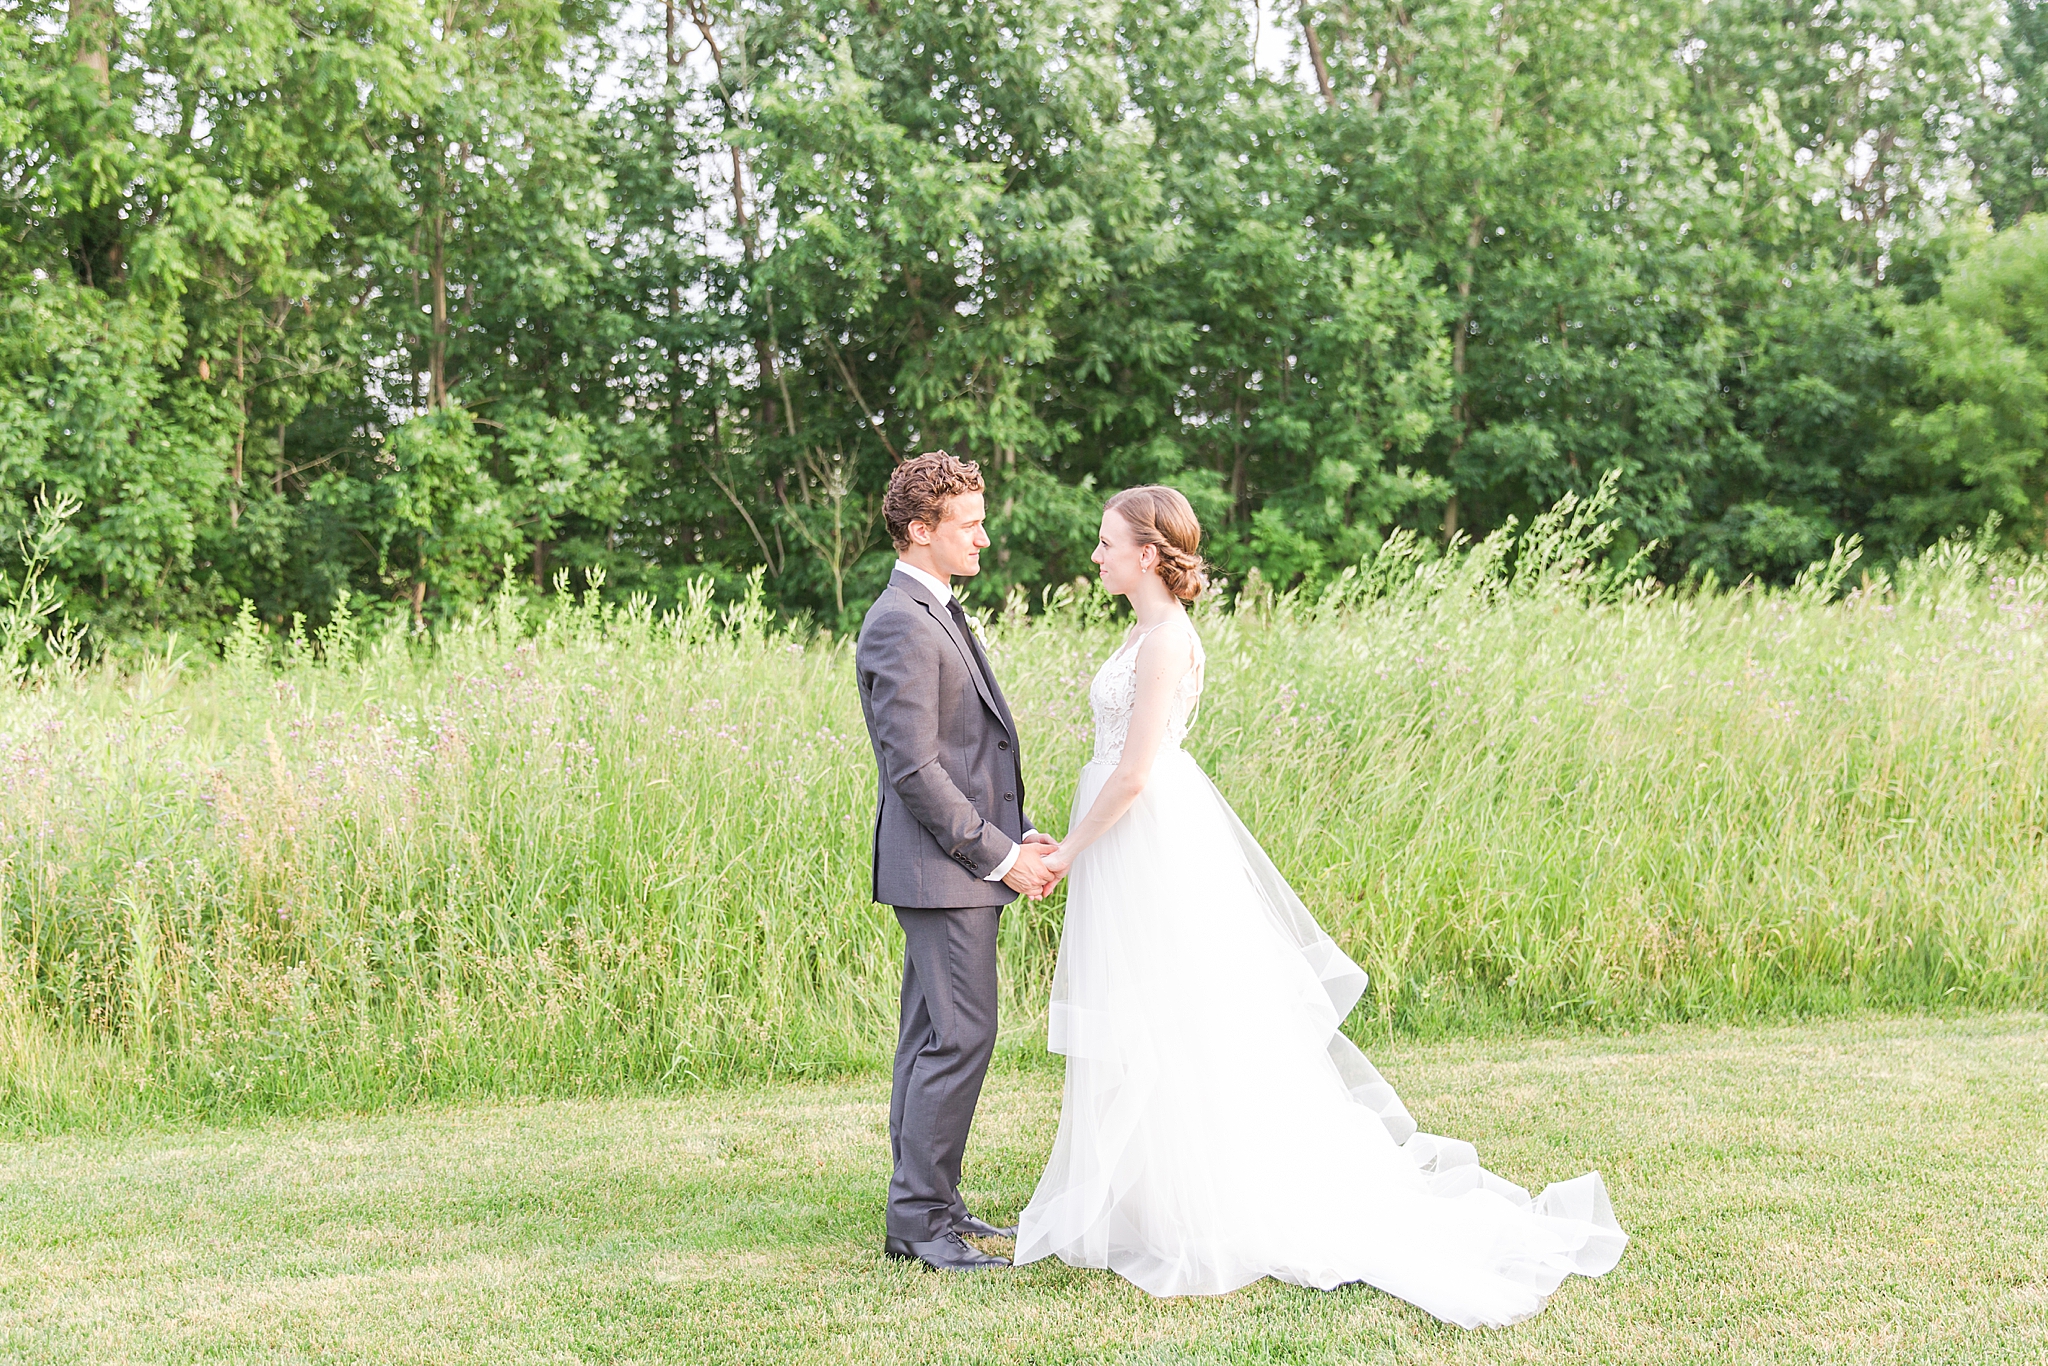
1003	869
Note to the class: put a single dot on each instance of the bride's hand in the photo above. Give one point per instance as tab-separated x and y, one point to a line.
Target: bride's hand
1050	861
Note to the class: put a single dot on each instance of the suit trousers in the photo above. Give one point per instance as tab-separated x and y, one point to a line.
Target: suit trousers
947	1034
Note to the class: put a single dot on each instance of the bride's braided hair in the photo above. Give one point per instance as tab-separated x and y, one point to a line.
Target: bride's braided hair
1162	518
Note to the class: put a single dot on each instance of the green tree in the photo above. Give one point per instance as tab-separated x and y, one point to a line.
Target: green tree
370	294
477	275
133	253
2008	142
1970	437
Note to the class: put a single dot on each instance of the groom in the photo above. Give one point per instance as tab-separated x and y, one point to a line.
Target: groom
952	846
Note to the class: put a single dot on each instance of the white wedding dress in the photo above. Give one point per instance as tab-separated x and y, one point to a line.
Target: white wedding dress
1216	1127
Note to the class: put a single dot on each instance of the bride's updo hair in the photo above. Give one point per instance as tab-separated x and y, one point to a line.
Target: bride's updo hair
1162	517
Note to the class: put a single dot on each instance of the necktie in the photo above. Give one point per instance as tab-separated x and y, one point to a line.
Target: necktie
995	693
973	644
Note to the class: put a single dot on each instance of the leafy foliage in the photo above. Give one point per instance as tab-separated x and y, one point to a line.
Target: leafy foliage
370	295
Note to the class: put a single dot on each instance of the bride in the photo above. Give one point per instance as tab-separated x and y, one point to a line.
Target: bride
1216	1127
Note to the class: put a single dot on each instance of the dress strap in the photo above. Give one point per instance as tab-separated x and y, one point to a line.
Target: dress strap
1139	639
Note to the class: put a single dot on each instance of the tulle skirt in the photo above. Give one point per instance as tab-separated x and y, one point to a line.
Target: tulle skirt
1216	1128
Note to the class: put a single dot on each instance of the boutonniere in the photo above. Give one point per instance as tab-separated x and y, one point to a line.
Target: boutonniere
974	625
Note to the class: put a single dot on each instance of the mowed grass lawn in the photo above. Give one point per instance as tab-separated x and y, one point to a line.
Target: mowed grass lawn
1868	1191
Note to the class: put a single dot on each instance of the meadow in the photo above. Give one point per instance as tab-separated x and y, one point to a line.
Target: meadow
1867	1191
600	850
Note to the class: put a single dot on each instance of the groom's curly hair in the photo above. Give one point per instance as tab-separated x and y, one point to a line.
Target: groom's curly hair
921	489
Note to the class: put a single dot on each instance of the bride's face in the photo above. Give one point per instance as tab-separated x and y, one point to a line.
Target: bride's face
1125	563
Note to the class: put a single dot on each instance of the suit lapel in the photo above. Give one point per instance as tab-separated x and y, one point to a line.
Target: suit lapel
1002	703
974	670
986	671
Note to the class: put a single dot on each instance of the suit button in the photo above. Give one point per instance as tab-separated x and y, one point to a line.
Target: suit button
1008	798
1002	744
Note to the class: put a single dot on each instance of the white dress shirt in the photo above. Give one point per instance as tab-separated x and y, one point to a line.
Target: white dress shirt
944	591
937	585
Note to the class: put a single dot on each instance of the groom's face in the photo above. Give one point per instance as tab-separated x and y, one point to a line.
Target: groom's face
957	541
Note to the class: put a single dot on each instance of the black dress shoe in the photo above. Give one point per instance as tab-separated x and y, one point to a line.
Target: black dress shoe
982	1228
947	1253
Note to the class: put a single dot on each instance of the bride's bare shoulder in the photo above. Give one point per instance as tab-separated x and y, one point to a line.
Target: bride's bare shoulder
1170	643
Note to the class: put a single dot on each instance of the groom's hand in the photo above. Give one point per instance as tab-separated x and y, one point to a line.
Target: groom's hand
1047	847
1028	874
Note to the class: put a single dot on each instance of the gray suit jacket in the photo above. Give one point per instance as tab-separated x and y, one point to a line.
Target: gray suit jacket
950	801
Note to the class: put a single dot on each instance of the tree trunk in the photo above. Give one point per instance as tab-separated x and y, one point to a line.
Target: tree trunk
1237	457
412	332
1473	238
98	247
437	348
1393	68
90	23
671	92
1315	54
762	350
241	431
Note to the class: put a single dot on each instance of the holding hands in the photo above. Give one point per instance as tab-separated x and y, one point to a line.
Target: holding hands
1057	860
1039	866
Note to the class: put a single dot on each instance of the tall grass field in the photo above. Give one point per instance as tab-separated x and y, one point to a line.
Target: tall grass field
605	848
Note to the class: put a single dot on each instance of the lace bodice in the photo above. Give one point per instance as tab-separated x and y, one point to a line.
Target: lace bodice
1114	694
